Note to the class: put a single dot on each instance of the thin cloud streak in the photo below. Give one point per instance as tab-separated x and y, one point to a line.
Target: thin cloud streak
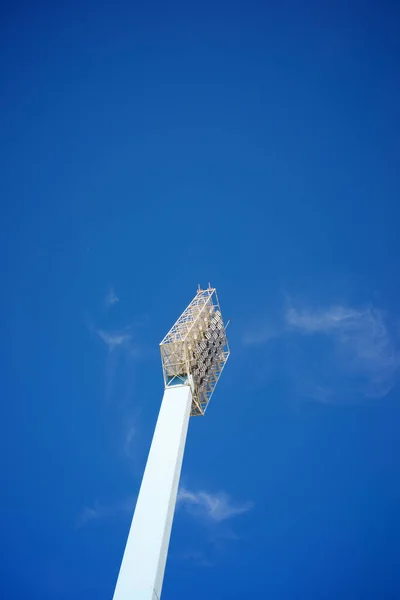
122	349
217	507
129	437
362	340
335	318
101	511
113	339
111	298
200	559
261	336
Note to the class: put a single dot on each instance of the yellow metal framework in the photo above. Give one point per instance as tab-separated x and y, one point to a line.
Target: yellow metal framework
196	349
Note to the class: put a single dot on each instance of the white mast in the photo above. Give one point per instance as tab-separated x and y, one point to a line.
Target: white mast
193	354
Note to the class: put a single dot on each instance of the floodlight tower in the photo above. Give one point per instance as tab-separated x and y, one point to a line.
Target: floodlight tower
193	355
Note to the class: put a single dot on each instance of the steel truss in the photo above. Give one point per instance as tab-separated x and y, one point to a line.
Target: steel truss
196	349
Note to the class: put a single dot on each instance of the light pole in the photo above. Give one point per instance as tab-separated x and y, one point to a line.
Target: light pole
193	354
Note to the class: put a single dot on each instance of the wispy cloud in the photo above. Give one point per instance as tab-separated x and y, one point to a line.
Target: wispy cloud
334	318
335	354
261	335
213	515
200	559
206	550
217	507
113	339
364	347
129	437
122	351
101	511
111	297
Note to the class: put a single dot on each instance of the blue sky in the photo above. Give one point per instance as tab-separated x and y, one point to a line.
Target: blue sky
145	150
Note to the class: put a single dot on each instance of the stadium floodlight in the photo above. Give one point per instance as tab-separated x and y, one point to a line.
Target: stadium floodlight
193	354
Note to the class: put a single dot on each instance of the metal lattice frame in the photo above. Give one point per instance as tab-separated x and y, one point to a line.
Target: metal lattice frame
196	349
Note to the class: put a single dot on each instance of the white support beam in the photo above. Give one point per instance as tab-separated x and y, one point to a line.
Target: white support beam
142	569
